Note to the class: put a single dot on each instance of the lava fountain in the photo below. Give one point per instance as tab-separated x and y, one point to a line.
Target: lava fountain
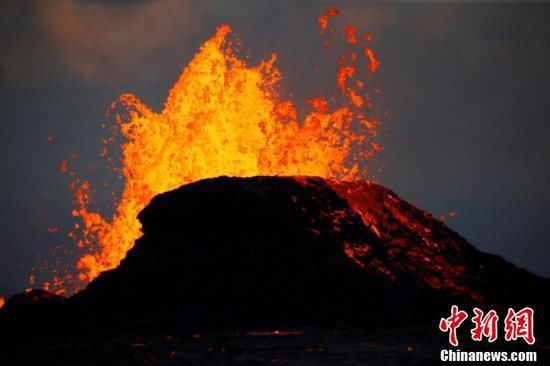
225	117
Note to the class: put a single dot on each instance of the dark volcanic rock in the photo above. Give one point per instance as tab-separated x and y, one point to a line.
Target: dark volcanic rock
30	298
32	309
249	251
267	251
297	250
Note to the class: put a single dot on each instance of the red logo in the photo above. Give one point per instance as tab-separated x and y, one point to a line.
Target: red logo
485	326
519	325
516	325
452	323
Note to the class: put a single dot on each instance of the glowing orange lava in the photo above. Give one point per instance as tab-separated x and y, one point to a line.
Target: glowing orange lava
223	117
2	301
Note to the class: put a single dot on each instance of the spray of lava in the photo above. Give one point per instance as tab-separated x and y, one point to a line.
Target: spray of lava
225	117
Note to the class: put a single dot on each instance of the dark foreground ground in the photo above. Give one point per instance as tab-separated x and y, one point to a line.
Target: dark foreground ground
412	346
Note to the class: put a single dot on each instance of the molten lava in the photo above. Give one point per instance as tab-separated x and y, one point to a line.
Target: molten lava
224	117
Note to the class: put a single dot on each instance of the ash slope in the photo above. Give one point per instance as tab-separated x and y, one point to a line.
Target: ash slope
420	246
289	250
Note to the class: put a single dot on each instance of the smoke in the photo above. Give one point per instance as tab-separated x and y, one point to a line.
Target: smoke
95	41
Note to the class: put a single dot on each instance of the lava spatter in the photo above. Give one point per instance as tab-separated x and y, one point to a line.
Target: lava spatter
222	117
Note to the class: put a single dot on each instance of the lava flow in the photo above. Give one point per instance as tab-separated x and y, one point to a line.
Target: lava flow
225	117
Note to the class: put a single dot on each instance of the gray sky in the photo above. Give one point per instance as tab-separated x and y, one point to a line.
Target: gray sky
468	86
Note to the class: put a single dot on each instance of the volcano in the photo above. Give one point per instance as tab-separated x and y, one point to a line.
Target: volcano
326	264
263	251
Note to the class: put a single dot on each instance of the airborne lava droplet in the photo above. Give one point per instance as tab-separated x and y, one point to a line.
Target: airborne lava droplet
323	19
373	62
63	166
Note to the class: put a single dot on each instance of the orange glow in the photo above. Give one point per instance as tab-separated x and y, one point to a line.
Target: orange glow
351	34
450	214
274	333
373	62
64	166
222	117
323	19
398	224
2	301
